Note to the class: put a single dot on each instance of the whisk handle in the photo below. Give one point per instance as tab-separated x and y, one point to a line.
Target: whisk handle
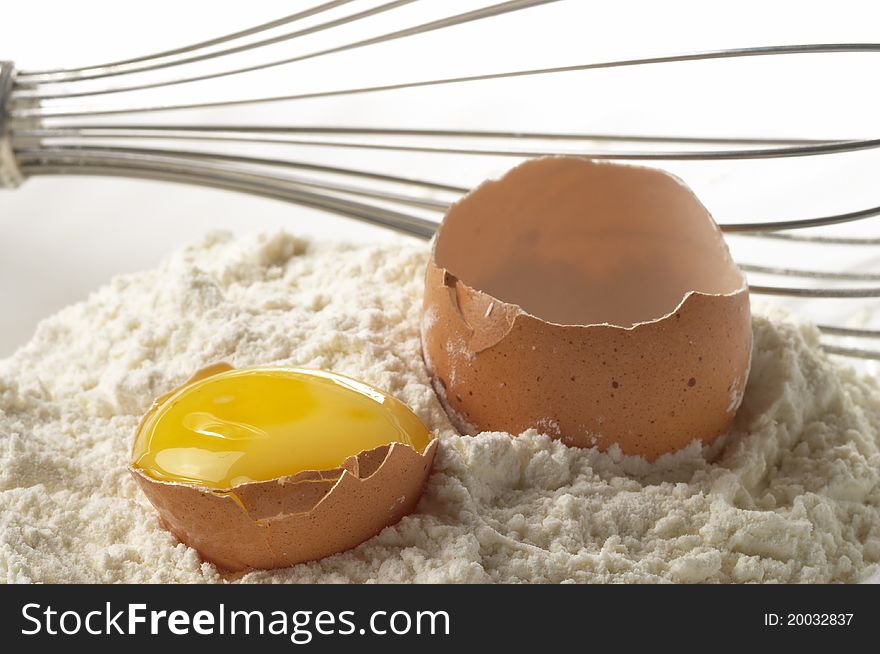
10	175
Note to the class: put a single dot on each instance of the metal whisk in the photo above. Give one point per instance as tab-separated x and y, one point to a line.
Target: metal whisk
44	131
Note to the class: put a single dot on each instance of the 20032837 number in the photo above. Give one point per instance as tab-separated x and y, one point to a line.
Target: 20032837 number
808	619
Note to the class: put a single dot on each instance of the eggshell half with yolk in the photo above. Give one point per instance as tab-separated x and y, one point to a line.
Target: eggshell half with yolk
293	519
595	302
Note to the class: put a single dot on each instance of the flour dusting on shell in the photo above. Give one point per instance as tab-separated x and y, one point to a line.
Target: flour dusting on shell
793	494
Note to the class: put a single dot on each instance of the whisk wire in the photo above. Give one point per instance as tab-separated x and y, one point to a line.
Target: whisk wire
65	74
39	135
765	51
424	28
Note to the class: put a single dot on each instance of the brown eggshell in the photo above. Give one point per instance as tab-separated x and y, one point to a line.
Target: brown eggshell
290	520
595	302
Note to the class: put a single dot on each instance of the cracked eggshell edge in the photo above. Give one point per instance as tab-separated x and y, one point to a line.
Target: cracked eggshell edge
496	367
294	519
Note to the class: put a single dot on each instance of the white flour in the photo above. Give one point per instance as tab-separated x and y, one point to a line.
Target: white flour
793	496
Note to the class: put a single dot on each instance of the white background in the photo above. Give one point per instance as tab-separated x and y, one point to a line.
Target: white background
62	237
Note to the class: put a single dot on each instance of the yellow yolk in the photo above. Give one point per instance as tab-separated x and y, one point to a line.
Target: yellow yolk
258	424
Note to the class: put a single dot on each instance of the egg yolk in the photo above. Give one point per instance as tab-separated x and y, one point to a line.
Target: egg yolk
258	424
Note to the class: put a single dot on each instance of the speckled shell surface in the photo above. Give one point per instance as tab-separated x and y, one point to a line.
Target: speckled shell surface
651	387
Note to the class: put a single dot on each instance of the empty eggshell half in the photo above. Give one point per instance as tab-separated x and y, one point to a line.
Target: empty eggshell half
595	302
290	520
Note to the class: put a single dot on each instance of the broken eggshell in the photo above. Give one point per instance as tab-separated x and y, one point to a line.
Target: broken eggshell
290	520
597	303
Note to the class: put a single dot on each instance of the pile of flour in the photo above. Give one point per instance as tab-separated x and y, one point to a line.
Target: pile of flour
793	495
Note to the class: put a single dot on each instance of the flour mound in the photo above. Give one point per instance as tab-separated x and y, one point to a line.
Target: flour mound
792	495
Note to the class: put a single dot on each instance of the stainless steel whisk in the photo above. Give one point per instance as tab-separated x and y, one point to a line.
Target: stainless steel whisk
41	135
